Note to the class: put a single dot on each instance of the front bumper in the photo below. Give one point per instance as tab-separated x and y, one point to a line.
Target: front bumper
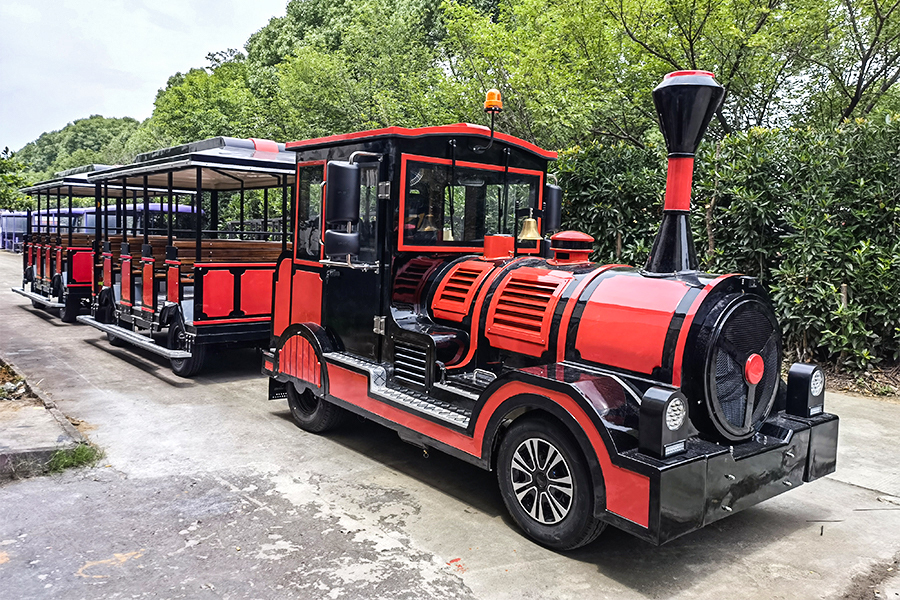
711	481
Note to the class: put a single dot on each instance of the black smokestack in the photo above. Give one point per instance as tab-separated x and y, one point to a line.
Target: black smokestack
686	102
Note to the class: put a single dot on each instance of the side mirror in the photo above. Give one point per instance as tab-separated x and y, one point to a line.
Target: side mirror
552	207
342	193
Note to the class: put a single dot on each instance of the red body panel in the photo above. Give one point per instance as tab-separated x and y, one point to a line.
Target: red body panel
148	295
126	280
256	291
627	492
298	359
625	322
281	315
218	293
522	310
82	265
173	281
307	298
456	292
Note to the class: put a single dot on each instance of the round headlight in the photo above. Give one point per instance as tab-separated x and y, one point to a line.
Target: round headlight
675	413
817	383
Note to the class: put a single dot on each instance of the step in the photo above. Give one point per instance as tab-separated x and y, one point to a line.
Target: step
412	399
136	339
38	298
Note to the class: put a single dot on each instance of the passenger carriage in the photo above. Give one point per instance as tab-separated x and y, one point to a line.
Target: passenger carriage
198	283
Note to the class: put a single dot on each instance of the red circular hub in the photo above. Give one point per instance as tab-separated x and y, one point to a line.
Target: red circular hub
754	369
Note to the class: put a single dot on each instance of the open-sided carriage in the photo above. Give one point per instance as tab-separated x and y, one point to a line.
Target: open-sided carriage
57	251
182	274
646	398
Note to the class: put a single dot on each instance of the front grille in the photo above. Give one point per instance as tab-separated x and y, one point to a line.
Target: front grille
747	329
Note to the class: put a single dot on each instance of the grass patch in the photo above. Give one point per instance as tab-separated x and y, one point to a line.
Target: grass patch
79	456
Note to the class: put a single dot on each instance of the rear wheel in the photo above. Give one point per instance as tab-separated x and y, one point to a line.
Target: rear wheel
311	412
177	340
546	485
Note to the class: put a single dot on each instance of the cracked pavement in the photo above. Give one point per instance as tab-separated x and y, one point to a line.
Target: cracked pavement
208	490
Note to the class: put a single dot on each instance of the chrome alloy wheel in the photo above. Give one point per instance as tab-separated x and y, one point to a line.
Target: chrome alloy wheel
541	481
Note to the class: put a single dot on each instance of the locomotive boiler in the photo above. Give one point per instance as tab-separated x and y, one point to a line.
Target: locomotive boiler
647	398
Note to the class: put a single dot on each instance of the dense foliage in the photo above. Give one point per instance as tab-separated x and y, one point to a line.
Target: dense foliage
804	206
806	211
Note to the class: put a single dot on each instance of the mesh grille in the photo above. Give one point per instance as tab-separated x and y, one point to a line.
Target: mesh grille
747	330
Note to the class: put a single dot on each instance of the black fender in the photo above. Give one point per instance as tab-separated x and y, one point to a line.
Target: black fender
56	286
28	275
321	343
106	306
169	313
595	400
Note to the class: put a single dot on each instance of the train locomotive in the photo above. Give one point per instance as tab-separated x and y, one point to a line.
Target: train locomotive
650	399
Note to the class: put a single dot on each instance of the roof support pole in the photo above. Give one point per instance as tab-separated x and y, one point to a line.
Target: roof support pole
146	216
98	192
124	222
171	214
58	215
284	214
214	210
241	236
199	214
266	213
70	217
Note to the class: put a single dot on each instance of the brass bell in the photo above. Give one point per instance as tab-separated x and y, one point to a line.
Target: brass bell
448	235
529	229
428	224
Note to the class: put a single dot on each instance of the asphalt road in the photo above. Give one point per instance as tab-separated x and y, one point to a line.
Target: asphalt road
208	490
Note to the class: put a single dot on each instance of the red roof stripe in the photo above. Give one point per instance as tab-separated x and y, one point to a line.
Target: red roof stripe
457	129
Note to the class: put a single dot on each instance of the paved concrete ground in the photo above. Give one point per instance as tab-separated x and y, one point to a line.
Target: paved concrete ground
31	432
209	491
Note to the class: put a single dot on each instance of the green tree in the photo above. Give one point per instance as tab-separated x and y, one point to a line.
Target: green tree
12	178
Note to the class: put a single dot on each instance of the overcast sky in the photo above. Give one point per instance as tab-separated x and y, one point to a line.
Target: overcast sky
62	60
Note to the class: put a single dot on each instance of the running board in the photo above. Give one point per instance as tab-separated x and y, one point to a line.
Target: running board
411	399
38	298
141	341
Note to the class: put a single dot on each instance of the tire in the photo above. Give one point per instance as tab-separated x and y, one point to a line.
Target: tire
184	367
69	309
37	305
555	501
311	412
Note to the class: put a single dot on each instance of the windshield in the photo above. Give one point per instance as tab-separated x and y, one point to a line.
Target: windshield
455	206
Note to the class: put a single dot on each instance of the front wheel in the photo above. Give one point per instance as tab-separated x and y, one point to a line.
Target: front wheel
546	486
311	412
177	340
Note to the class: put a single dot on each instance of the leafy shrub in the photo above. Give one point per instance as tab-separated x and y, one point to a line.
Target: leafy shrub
806	211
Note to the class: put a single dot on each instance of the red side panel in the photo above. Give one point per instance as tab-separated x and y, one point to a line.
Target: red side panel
624	323
148	296
107	269
627	492
82	266
256	291
218	293
298	359
59	261
126	280
522	309
456	292
173	281
281	315
307	299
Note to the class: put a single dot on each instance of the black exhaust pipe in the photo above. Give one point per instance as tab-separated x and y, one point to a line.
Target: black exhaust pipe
686	102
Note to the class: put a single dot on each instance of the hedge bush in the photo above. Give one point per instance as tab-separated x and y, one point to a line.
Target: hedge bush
814	214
